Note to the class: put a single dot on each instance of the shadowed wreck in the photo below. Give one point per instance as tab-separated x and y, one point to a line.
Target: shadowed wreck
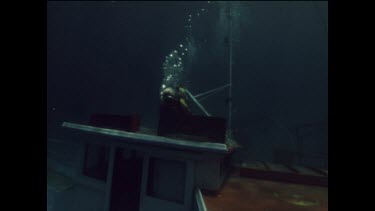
187	106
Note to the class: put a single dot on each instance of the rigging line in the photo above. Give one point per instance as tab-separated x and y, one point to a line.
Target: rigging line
211	91
203	98
197	103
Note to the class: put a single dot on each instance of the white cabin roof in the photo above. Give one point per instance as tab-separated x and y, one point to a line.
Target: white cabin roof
154	140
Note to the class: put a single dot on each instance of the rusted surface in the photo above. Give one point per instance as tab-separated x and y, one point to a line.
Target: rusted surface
284	173
240	194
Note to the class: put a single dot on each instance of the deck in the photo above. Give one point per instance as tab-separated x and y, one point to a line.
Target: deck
241	193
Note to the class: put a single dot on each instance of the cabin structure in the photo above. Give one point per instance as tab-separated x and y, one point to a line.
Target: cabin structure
146	172
111	170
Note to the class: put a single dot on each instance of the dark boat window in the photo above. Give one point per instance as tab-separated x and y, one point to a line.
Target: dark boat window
96	161
166	180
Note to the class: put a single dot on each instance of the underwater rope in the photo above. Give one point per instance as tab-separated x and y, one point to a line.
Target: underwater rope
196	102
211	91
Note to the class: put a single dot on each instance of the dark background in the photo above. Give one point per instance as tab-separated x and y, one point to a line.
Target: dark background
107	57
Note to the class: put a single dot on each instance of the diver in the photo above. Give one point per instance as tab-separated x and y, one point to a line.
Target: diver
176	100
174	109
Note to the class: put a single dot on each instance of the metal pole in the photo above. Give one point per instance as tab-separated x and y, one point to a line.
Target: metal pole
230	74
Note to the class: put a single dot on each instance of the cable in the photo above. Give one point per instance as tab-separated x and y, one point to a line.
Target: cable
211	91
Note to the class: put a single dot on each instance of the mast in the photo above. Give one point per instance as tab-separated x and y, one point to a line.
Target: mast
230	72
